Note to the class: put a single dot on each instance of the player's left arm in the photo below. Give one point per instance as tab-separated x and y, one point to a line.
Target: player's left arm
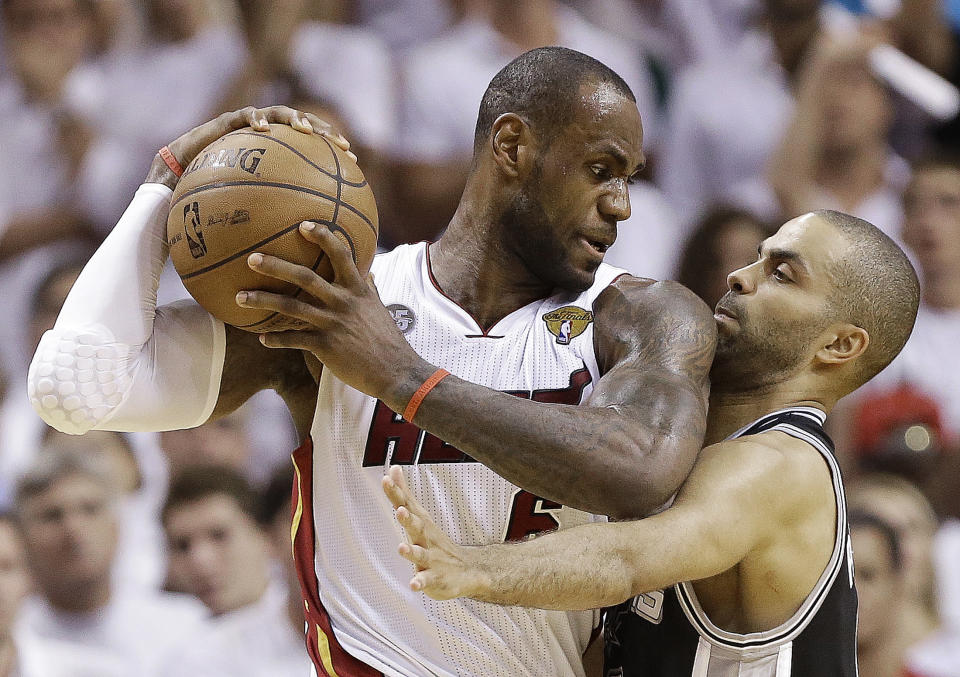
623	454
739	496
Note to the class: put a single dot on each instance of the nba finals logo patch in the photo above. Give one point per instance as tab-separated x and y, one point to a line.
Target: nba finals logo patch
567	323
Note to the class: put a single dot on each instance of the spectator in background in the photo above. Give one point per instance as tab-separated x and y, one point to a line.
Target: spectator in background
834	153
67	505
930	361
218	552
21	653
140	562
884	635
939	655
21	432
442	83
725	239
222	442
168	81
264	639
726	116
44	40
900	504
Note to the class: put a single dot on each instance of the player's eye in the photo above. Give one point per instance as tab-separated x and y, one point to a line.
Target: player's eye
780	275
602	172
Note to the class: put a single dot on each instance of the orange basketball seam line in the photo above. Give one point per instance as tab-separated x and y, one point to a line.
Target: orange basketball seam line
274	184
338	176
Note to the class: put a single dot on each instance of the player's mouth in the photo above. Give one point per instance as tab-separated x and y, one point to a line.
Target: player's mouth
596	245
723	314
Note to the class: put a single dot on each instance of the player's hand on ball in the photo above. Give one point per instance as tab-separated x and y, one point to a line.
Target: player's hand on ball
186	147
348	329
442	568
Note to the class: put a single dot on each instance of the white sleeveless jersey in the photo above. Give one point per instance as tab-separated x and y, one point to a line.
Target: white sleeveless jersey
354	581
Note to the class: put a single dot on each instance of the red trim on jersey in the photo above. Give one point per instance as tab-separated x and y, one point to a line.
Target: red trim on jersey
329	658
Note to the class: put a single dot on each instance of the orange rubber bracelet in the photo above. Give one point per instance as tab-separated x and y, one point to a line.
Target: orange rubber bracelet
411	409
171	161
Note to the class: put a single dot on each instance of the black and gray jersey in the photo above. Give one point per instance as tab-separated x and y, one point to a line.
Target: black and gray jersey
666	633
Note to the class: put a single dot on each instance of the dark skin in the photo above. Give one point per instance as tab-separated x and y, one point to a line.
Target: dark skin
624	452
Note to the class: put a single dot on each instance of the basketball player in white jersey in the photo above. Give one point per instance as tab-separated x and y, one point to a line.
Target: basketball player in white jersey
749	571
534	429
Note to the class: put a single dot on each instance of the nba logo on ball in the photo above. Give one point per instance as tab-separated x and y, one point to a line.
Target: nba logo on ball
567	323
403	316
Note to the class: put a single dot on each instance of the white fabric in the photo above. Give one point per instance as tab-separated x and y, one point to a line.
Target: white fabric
444	80
930	362
115	360
727	117
936	656
38	657
678	32
362	582
350	67
256	641
38	177
649	243
724	120
134	630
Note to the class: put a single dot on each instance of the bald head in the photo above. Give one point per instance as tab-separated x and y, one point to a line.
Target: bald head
542	86
876	289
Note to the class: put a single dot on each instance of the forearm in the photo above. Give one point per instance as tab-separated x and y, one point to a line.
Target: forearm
603	458
587	567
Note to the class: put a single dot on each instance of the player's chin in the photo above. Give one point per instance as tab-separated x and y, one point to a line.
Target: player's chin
578	278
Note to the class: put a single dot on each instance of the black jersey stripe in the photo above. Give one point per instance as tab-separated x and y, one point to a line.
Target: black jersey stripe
812	433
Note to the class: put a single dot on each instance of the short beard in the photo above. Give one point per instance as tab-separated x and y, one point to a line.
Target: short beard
760	354
532	237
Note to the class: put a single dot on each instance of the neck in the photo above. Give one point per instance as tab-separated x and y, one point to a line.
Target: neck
82	598
473	267
527	24
8	656
942	291
731	410
852	174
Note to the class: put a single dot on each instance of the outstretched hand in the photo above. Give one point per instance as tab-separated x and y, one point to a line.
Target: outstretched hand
443	569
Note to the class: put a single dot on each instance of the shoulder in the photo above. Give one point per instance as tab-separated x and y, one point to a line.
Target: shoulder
655	318
772	470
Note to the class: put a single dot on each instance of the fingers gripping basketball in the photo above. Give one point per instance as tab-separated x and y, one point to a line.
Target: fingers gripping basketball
248	192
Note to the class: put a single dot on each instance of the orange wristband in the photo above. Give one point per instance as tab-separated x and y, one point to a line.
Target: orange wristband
171	161
411	409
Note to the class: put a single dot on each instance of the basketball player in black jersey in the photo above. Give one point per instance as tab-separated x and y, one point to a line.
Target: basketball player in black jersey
750	567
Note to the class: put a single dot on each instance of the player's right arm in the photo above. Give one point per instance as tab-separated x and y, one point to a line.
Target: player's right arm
741	496
114	361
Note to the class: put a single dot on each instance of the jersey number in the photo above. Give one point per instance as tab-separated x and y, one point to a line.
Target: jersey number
530	515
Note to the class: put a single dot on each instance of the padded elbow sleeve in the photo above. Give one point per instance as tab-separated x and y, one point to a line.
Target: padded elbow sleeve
84	379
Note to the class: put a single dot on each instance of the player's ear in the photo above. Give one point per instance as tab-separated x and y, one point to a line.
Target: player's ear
512	144
846	342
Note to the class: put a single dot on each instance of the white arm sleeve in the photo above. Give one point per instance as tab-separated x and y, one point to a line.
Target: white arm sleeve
114	361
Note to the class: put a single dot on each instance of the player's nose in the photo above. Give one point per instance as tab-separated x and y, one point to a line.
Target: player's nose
739	281
616	203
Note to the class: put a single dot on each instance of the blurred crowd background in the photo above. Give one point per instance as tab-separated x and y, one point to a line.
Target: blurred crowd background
169	554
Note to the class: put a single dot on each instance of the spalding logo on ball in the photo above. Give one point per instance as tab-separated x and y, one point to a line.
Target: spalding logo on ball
248	192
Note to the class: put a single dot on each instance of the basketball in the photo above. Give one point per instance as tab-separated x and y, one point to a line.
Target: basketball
248	192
